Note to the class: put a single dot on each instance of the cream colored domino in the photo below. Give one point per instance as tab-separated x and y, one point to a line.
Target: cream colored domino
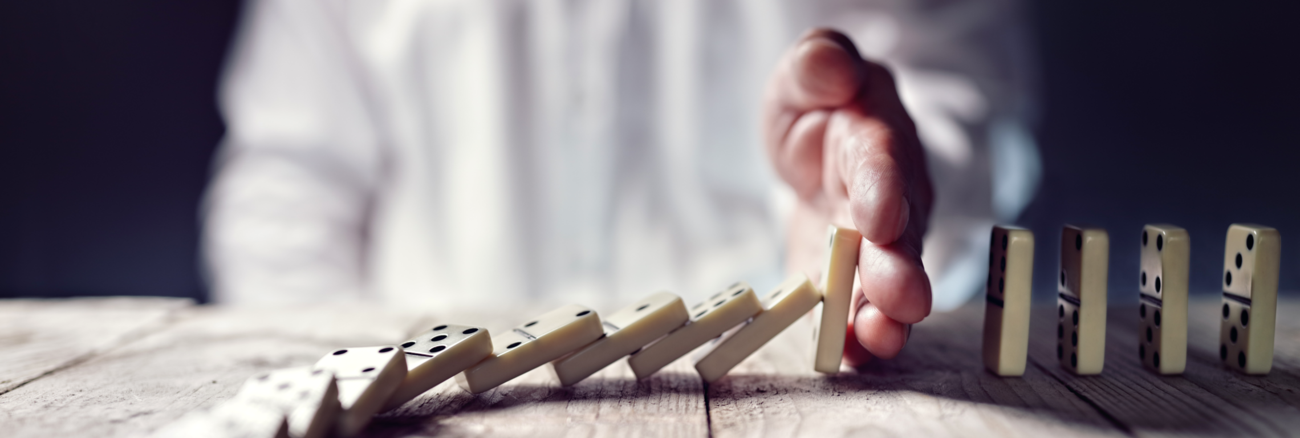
709	319
626	331
437	355
791	300
550	336
1007	300
1162	298
1251	257
831	319
1081	299
367	378
308	397
230	419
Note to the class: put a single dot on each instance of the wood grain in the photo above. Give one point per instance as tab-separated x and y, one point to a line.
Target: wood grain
937	387
198	360
41	336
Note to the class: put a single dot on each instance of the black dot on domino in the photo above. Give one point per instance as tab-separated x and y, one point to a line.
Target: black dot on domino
368	369
1144	278
440	328
1004	263
1078	242
1142	310
1074	339
530	324
643	307
775	294
1076	317
1157	317
1059	351
1250	242
1227	278
1060	331
1060	311
437	349
1225	310
282	387
1160	242
1144	238
698	315
583	313
1004	242
385	349
1223	352
336	353
437	338
407	344
1157	284
469	331
1232	335
738	292
1245	317
1074	360
1001	284
719	303
1142	352
1241	359
513	345
715	296
1062	277
1155	358
1238	260
1148	334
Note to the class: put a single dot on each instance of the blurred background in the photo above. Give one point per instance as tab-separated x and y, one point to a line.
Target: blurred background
1150	112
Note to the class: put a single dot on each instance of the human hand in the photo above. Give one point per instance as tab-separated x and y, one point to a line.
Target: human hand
837	132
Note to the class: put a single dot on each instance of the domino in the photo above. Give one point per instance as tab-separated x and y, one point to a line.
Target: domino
1081	300
229	419
1251	259
367	378
781	308
437	355
308	397
550	336
626	331
1007	300
832	316
709	319
1162	298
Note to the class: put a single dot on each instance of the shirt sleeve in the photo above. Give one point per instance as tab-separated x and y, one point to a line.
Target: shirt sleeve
285	214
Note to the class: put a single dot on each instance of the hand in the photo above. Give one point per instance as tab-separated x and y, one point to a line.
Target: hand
837	132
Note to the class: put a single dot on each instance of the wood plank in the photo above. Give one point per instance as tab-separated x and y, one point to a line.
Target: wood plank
199	360
38	337
937	387
1206	400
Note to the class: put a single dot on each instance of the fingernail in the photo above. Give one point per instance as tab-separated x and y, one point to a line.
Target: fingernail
904	214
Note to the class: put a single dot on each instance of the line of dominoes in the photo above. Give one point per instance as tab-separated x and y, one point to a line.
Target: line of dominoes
347	387
1251	260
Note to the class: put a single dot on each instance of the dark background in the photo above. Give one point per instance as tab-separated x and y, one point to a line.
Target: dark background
1179	112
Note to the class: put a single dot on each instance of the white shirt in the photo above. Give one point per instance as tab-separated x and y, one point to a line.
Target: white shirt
473	153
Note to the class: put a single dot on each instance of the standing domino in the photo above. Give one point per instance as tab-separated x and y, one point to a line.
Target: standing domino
309	397
367	378
626	331
557	333
831	319
436	356
791	300
1081	303
1162	304
1006	311
722	311
1251	257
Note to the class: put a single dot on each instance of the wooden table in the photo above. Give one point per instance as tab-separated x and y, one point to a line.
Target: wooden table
126	366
